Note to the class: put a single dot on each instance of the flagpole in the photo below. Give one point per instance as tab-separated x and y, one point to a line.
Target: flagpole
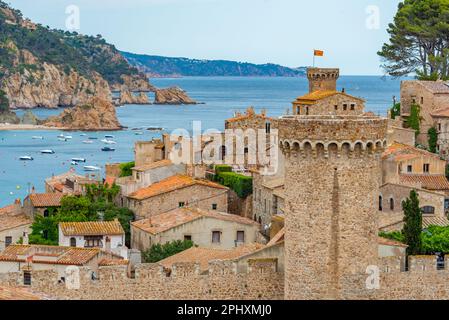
314	58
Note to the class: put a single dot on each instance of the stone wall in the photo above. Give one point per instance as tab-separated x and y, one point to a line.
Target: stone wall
152	281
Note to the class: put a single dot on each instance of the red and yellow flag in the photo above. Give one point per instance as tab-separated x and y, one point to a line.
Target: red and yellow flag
318	53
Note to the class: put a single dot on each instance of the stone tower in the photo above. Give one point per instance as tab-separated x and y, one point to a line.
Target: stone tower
332	168
322	79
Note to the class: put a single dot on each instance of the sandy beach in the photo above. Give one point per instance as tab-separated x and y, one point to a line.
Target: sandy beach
14	127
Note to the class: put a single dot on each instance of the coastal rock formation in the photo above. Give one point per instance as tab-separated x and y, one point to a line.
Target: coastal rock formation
97	114
127	97
30	118
9	117
173	95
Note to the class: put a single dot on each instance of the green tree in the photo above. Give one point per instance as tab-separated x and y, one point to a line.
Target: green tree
395	111
159	252
433	139
414	120
418	40
4	102
125	169
412	224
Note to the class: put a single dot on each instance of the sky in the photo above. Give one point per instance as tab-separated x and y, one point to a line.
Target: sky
286	32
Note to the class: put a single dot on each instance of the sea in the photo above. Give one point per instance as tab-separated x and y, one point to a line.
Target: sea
221	97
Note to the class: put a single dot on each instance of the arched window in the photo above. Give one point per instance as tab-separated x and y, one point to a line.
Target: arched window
428	210
380	203
72	242
260	220
223	152
46	213
391	204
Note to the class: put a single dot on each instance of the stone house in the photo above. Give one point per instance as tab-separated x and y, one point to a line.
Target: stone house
41	203
268	200
441	120
28	258
69	183
430	96
14	225
108	236
206	228
175	192
146	152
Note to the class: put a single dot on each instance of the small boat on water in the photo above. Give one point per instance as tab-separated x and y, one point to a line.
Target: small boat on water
138	128
83	135
74	163
138	133
108	136
49	151
26	158
107	149
37	138
93	138
88	142
61	135
91	168
106	141
78	160
62	139
155	129
69	137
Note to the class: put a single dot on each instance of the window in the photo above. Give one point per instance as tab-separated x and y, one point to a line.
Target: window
267	127
426	168
391	204
246	150
216	235
27	278
8	241
345	107
93	241
439	127
214	206
182	204
187	238
409	169
46	213
352	106
260	220
241	236
307	111
428	210
255	217
72	242
336	107
422	100
380	203
223	153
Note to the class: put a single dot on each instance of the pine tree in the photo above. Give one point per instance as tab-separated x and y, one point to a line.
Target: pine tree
412	224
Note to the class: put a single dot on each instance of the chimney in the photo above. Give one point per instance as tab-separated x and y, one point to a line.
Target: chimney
33	190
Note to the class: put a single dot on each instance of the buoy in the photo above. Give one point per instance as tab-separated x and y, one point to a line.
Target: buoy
18	187
11	193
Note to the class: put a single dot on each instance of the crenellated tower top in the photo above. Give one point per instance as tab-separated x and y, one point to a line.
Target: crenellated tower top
323	79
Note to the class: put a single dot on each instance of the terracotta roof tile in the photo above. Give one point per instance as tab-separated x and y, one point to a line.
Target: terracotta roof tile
13	221
400	152
49	254
278	237
113	262
312	97
154	165
435	86
434	221
429	182
91	228
203	256
171	184
172	219
388	242
43	200
10	293
8	209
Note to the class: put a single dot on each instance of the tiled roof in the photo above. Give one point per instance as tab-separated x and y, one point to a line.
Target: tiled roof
204	255
435	86
109	181
172	219
321	94
49	254
113	262
434	221
429	182
171	184
154	165
14	293
8	209
43	200
441	113
401	152
388	242
91	228
13	221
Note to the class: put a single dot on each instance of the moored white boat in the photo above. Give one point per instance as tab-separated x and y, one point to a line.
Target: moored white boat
37	138
26	158
49	151
91	168
88	142
78	159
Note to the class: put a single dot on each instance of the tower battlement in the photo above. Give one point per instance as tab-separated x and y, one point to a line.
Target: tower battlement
323	78
332	135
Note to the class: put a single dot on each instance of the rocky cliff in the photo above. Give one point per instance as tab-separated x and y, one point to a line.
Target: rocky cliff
96	115
128	97
173	95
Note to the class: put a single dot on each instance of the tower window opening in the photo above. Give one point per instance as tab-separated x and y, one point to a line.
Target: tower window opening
353	107
380	203
391	204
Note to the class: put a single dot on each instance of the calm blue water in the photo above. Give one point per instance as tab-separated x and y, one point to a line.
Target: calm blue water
222	97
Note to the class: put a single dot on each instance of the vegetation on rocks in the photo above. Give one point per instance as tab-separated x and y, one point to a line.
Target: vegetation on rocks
159	252
433	139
